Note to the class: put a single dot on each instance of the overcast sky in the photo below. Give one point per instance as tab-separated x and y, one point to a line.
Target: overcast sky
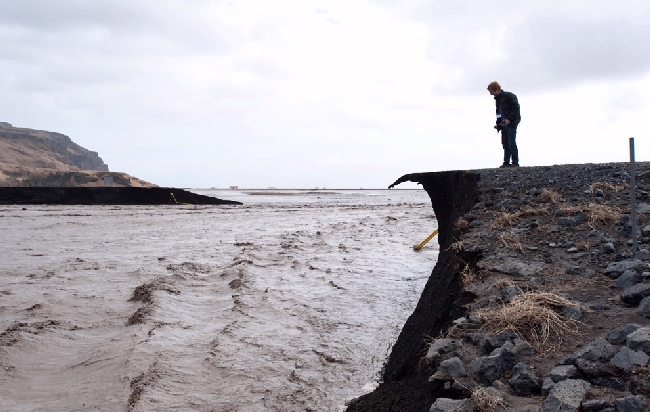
336	94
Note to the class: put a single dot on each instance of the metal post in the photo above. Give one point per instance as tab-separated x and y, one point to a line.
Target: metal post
633	196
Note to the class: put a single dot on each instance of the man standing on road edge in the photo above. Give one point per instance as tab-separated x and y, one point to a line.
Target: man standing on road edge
508	118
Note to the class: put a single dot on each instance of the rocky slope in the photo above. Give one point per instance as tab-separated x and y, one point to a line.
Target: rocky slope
41	149
537	301
39	158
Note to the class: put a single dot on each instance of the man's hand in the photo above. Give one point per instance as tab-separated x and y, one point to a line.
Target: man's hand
507	122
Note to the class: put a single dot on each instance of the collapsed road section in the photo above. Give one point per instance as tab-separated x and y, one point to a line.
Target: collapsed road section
105	196
538	301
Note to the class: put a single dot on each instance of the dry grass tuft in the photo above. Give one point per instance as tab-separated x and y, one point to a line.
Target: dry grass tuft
584	246
598	214
505	220
529	211
551	195
602	214
502	284
457	246
532	316
486	401
604	186
467	275
511	241
462	224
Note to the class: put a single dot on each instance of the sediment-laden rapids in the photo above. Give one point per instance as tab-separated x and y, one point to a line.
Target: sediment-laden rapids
290	302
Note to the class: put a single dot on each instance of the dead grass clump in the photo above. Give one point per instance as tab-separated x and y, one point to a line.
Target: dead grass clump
532	316
467	275
551	195
505	219
584	246
487	400
602	214
502	284
604	186
462	224
511	241
457	246
597	214
529	211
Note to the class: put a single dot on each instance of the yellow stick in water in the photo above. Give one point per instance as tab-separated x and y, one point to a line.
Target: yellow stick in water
172	197
421	245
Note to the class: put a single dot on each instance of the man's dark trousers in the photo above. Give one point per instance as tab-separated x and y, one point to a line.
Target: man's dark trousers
508	140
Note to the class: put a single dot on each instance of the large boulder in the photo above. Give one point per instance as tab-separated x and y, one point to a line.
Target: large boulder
566	396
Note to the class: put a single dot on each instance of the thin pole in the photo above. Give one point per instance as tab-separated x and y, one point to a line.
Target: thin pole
633	196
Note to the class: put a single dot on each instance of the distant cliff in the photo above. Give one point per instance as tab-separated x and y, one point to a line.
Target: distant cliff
48	150
37	158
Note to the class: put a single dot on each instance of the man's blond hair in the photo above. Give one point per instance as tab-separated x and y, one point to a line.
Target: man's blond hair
494	86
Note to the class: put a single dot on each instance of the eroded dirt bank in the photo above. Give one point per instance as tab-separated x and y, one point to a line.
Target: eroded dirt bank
104	196
536	294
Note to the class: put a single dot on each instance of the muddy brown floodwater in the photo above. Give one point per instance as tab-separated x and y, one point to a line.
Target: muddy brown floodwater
288	303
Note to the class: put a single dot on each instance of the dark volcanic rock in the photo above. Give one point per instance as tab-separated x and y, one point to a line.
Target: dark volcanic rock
616	269
639	340
627	279
563	372
634	294
595	405
452	405
596	369
450	369
487	369
635	403
524	381
618	335
629	359
566	396
644	307
598	350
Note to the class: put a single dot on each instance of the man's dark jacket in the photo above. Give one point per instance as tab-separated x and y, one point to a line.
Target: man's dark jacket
509	108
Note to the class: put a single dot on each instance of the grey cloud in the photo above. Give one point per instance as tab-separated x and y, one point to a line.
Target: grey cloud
569	50
548	52
62	14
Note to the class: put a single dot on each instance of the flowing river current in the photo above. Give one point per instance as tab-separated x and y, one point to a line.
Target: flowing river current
290	302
